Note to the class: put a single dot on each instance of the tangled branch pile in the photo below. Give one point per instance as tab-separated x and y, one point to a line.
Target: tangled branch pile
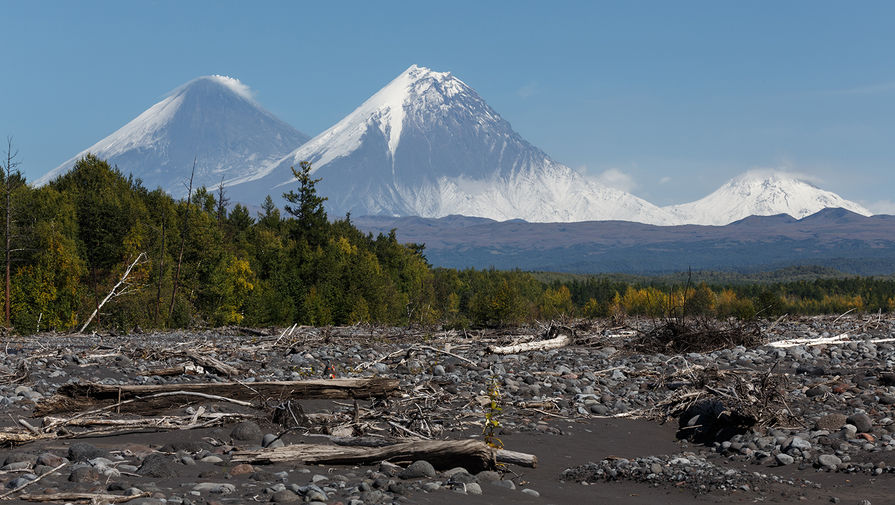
681	335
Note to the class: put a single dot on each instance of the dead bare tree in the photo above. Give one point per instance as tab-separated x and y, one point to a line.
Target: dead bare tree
184	232
222	203
120	288
11	180
161	264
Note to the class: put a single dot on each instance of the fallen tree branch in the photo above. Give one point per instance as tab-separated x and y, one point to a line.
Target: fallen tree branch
5	495
474	455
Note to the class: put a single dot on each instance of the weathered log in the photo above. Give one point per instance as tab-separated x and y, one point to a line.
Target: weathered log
165	372
517	458
315	388
212	364
538	345
78	396
82	497
474	455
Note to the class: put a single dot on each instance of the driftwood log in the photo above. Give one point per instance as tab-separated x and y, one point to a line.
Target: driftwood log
538	345
212	364
78	396
474	455
82	497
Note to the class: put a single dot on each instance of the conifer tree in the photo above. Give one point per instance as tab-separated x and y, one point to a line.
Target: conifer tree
307	207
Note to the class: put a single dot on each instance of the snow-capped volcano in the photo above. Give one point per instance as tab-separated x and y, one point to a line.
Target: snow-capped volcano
212	119
761	193
428	145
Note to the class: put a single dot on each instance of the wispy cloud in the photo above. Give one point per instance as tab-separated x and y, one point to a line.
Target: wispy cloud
783	170
615	178
665	180
881	207
528	90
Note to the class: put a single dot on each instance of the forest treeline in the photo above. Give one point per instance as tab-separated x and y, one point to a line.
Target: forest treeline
198	261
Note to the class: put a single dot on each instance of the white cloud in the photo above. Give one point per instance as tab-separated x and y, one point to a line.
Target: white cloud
615	178
880	207
784	170
233	83
528	90
665	180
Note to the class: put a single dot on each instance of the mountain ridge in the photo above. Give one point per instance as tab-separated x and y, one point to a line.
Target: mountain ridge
837	238
425	144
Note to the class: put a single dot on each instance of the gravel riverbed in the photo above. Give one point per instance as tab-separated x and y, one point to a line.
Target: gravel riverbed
606	422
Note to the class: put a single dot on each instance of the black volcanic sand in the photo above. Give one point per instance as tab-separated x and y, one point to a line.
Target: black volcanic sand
592	418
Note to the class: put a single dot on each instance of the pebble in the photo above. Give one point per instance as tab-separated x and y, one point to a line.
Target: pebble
473	488
508	484
784	459
829	461
214	488
861	422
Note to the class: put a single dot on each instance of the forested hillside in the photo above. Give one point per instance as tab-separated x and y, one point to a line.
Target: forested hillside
201	262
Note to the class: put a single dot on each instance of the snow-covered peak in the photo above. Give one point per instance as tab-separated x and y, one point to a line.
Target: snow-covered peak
213	119
415	95
427	144
761	193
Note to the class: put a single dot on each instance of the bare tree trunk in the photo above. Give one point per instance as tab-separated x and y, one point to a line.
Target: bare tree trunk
112	293
183	235
161	266
221	204
8	168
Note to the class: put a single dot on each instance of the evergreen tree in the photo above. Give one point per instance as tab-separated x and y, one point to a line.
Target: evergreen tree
307	207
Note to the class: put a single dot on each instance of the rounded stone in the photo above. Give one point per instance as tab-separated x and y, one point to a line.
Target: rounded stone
157	466
418	469
473	488
829	461
861	421
270	440
82	451
84	474
246	431
285	496
507	484
50	459
784	459
242	469
831	422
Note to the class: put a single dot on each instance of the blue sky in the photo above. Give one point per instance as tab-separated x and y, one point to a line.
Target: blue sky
665	99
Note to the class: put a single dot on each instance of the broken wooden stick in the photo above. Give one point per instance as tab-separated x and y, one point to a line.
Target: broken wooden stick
23	486
474	455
